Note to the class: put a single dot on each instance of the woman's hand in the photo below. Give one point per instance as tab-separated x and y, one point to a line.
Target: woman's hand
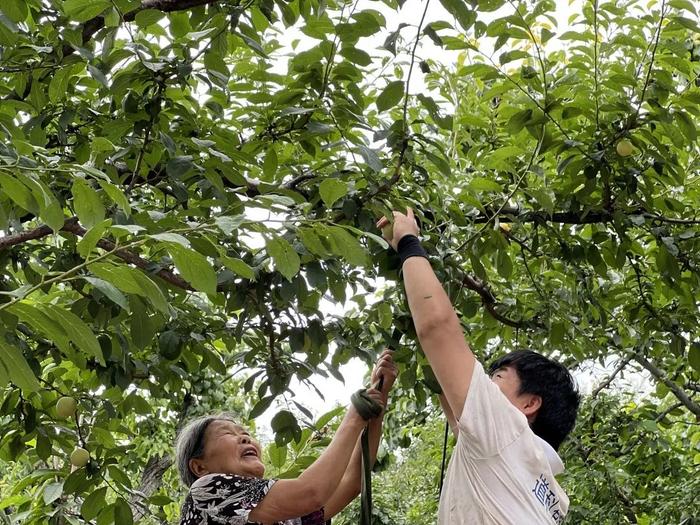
385	368
371	395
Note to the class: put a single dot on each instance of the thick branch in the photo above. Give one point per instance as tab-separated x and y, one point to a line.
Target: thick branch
561	217
488	300
30	235
158	174
132	258
71	225
92	26
156	467
574	217
682	396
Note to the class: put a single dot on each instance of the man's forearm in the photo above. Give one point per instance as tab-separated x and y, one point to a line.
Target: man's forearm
427	300
439	331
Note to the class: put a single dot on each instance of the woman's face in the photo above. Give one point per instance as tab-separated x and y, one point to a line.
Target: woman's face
228	449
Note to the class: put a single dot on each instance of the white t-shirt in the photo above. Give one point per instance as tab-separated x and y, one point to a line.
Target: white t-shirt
500	471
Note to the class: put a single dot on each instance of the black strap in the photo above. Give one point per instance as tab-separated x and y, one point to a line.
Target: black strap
409	246
444	457
366	490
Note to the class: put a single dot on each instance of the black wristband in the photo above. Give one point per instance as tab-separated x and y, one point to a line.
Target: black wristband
409	246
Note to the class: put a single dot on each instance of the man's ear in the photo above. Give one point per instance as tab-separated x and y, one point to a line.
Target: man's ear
531	407
198	467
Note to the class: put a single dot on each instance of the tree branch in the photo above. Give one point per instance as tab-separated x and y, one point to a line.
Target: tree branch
489	300
92	26
682	396
132	258
30	235
605	384
386	186
156	467
71	225
574	217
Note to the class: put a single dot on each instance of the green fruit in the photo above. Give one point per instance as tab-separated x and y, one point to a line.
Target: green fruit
66	406
624	148
170	345
388	231
79	457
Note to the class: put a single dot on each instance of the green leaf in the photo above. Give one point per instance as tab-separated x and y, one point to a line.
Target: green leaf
694	356
131	280
58	87
148	17
93	504
686	125
459	9
392	95
331	190
270	164
52	492
371	158
177	167
688	23
16	10
14	368
174	238
228	224
484	184
87	203
84	10
312	242
260	407
109	290
116	195
50	210
504	265
122	512
179	24
286	259
42	323
346	245
19	193
518	120
277	455
194	268
237	266
385	315
78	332
91	237
326	418
356	56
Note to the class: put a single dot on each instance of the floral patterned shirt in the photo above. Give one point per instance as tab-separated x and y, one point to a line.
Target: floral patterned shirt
225	499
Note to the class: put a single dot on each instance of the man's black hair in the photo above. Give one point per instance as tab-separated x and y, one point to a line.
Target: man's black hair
551	381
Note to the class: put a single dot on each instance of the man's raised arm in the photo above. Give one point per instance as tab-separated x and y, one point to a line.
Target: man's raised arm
437	325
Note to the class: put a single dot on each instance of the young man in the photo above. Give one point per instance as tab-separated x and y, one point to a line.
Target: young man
508	426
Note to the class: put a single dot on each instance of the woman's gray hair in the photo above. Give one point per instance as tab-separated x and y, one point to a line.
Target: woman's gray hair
190	443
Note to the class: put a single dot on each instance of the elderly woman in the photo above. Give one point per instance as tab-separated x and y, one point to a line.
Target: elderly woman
221	463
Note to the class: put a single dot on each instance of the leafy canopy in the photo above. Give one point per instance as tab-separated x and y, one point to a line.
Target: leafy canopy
183	197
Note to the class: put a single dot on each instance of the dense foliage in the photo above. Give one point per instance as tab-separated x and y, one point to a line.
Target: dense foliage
186	191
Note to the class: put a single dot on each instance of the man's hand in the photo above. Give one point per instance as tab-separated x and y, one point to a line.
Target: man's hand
403	225
385	368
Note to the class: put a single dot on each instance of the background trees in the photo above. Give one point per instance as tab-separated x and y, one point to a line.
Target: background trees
188	186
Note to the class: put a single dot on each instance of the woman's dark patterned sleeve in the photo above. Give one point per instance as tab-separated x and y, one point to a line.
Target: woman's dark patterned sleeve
227	499
315	518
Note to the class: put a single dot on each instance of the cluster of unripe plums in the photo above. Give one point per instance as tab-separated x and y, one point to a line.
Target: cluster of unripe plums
66	407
